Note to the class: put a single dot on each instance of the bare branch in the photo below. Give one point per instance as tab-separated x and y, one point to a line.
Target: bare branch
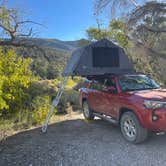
26	35
29	21
148	9
114	4
11	24
154	30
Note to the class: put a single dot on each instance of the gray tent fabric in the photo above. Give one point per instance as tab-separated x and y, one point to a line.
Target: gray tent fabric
82	61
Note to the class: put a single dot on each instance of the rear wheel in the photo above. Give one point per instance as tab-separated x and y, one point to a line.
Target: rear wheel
87	112
132	129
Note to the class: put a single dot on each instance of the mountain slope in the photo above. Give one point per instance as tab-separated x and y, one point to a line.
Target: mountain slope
54	44
50	62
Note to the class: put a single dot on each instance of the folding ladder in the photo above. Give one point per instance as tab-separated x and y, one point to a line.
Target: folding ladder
54	104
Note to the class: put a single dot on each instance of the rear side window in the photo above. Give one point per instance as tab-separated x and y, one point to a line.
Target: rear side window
86	83
105	57
96	85
111	82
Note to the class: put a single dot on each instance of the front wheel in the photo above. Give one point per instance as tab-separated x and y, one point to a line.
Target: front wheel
87	112
132	129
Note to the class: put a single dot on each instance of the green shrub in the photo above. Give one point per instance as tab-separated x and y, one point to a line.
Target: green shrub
69	101
41	107
16	77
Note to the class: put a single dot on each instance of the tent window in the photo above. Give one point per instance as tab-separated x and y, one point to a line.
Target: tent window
105	57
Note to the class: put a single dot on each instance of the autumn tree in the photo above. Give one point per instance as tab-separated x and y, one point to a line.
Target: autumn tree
16	76
13	25
15	29
116	32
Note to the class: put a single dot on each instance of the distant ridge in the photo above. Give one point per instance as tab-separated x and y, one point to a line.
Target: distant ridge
57	44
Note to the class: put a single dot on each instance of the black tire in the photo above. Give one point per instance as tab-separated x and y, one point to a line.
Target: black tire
131	128
87	112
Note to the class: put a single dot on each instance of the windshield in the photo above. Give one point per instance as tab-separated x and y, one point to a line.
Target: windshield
139	82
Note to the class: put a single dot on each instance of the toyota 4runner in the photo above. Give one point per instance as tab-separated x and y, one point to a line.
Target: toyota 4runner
133	101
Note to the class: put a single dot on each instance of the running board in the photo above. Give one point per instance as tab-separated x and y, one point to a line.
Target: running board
107	118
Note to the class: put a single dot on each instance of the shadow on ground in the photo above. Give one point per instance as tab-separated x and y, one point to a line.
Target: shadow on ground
75	142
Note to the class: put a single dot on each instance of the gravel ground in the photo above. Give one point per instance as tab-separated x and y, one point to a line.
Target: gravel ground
77	143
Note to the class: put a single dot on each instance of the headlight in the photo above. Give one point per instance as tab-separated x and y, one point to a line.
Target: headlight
154	104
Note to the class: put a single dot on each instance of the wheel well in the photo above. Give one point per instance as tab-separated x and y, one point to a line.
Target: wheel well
122	111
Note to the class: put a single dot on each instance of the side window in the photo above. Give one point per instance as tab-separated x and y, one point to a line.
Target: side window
111	82
96	85
103	83
86	83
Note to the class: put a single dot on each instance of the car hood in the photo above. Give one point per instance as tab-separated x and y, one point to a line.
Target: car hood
155	94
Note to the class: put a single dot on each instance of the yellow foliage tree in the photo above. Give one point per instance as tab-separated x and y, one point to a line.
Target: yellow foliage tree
15	78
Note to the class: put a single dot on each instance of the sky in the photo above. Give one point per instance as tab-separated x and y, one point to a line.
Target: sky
64	19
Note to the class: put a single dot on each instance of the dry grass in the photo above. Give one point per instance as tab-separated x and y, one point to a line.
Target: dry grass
9	128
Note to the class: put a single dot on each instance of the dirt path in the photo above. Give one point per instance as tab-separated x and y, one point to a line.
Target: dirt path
76	143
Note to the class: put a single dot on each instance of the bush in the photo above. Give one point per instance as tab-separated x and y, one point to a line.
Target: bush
16	77
41	107
68	100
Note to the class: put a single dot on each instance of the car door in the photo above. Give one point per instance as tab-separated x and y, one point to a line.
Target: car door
96	97
110	98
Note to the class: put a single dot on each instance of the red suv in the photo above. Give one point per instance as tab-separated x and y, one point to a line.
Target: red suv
133	101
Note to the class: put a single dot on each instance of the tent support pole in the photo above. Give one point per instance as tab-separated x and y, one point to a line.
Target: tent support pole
54	104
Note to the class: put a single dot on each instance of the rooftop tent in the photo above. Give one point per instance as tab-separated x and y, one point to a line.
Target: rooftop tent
97	58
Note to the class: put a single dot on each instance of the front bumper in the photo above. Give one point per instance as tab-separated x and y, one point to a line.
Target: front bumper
160	123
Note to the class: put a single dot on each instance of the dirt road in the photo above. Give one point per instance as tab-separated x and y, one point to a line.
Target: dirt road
77	143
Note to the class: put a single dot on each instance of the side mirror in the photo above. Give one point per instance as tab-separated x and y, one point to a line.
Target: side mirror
111	89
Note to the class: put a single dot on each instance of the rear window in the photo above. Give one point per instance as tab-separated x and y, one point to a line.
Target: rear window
105	57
